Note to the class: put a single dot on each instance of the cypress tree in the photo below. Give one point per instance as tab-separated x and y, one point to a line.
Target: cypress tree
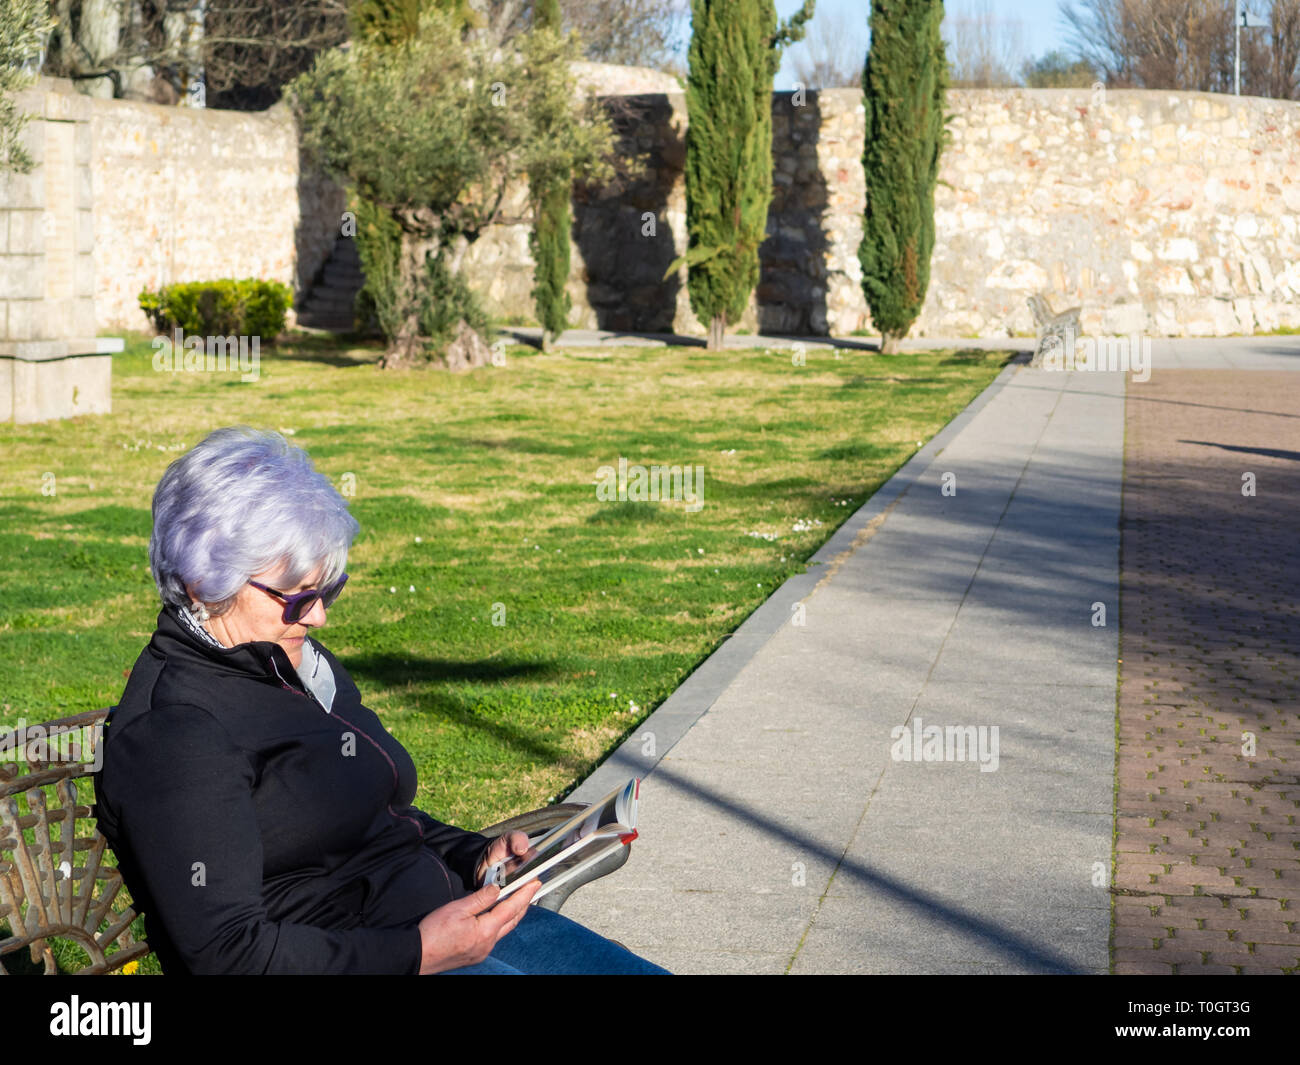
903	86
549	239
734	54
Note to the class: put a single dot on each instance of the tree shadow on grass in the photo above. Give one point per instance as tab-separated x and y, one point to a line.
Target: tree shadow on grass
344	349
396	671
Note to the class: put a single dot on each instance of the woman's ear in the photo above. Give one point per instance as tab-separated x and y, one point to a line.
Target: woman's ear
197	607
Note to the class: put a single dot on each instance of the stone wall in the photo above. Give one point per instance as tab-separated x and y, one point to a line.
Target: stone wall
1166	213
186	194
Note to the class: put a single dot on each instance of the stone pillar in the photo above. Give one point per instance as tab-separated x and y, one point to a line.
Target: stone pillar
51	363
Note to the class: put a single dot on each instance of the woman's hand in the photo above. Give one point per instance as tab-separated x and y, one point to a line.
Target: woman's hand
513	843
465	931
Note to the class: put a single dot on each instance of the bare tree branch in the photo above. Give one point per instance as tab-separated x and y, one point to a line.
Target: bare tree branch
1186	44
834	51
984	50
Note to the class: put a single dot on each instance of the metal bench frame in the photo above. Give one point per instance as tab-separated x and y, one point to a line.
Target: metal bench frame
1054	327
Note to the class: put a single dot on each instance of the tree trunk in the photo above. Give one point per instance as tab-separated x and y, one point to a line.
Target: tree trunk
889	343
459	246
405	346
98	30
467	348
717	327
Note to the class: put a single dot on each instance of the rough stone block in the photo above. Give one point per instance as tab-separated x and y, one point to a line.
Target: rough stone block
26	232
1124	318
84	143
23	190
57	388
84	278
21	319
22	277
85	235
82	317
85	189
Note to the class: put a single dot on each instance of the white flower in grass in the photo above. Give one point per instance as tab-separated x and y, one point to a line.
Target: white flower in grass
418	540
413	587
287	432
394	590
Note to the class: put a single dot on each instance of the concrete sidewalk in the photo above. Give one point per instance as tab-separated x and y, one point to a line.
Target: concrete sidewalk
778	833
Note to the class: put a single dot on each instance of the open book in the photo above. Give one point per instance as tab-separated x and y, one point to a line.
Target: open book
573	846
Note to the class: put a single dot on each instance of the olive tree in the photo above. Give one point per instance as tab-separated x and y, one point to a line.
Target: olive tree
23	26
433	131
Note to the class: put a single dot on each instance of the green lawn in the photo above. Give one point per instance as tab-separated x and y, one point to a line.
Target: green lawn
474	490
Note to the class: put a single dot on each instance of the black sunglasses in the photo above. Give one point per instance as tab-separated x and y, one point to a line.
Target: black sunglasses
299	604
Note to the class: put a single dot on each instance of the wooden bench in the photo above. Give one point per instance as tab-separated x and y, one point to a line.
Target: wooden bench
57	880
1053	327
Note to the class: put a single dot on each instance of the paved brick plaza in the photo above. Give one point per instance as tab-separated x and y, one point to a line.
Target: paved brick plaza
1207	864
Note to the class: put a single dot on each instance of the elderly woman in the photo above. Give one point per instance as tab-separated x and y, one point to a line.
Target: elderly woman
260	813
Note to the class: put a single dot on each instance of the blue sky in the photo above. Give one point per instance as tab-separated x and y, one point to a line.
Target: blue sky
1038	22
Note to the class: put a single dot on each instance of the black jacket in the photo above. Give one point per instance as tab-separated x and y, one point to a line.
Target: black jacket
259	833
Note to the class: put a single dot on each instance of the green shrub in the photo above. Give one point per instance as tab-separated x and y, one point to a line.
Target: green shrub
229	307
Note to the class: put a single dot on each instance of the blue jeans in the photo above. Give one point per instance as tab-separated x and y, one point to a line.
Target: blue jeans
549	944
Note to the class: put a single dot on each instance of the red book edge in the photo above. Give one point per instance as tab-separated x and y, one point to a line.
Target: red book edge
636	794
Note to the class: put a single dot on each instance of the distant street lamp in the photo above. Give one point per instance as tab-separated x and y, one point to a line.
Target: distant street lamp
1244	20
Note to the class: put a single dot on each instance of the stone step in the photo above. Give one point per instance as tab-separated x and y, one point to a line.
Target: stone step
340	296
342	274
338	325
328	310
329	303
329	306
345	251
